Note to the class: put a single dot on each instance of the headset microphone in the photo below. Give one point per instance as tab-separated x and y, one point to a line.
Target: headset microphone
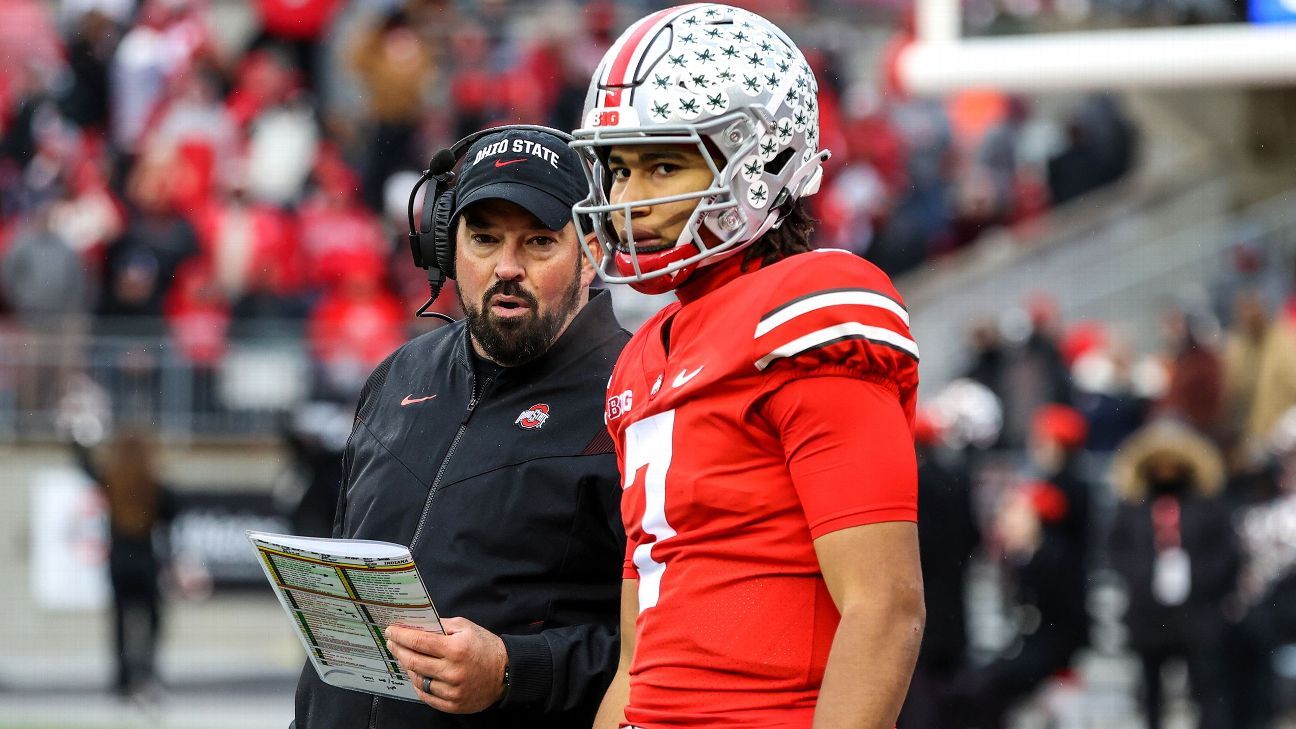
442	162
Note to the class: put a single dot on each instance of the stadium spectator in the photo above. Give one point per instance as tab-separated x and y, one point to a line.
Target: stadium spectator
267	309
1033	532
167	37
250	244
282	147
1100	150
45	283
986	354
1042	530
140	266
1056	445
471	77
1276	379
334	222
986	127
90	52
1195	392
32	113
1244	350
579	58
1022	364
1106	396
42	278
948	537
89	215
299	26
397	72
1175	550
198	320
1266	529
357	322
193	129
264	78
140	506
315	433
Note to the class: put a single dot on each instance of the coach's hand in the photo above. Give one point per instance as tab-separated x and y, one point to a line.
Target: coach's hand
464	667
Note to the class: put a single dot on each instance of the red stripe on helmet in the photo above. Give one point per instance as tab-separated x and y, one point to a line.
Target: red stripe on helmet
616	75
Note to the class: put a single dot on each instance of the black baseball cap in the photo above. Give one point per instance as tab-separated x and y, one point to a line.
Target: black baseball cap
532	169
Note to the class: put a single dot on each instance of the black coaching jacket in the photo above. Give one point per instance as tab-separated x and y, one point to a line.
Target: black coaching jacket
507	493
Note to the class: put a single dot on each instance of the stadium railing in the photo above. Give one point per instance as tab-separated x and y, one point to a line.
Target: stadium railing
47	378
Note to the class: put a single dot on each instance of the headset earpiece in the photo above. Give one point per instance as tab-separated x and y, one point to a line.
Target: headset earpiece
442	237
427	243
428	246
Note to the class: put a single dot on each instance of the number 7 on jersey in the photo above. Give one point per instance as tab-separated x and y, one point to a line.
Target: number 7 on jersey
648	443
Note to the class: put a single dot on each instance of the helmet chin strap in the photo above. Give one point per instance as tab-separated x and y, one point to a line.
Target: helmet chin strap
815	176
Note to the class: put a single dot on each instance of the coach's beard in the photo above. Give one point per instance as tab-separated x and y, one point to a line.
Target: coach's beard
518	340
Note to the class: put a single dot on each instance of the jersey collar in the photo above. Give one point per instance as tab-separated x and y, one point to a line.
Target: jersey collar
711	278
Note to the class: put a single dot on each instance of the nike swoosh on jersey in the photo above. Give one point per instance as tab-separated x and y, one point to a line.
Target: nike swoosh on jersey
684	376
507	162
410	399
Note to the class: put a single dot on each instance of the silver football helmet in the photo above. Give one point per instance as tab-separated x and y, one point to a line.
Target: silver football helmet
726	81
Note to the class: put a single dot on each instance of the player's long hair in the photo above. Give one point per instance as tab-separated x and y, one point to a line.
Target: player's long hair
790	238
133	489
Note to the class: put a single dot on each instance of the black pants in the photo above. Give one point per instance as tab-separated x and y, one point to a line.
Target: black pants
981	697
1205	680
1249	676
136	618
1249	652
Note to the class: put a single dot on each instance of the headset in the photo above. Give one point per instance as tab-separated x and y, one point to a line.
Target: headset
432	242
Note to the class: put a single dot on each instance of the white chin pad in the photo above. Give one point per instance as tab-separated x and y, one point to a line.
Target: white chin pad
812	185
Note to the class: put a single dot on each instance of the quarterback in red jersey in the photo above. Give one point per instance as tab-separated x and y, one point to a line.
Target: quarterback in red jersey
763	421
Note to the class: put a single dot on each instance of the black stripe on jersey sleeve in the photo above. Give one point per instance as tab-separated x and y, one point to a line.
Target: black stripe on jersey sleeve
844	338
821	292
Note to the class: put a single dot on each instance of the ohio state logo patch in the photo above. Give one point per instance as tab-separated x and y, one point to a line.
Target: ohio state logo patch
533	417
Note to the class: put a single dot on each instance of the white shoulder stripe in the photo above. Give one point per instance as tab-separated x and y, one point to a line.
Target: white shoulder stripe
848	330
831	298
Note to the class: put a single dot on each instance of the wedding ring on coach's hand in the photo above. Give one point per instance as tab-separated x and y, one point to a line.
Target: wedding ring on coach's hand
427	684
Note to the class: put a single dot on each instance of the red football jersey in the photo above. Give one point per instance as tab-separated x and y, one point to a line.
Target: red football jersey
735	620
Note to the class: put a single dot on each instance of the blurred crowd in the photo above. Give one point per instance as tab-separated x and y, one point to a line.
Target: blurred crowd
1071	465
157	183
160	180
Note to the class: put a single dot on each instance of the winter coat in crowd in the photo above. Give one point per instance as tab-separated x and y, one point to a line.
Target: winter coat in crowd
1173	544
1276	380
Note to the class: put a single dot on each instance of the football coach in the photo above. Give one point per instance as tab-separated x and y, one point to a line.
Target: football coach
482	446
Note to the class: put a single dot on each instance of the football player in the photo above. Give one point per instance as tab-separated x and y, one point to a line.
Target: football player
763	421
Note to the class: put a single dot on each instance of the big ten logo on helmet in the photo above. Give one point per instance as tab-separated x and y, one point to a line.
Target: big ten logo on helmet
624	116
619	405
518	146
